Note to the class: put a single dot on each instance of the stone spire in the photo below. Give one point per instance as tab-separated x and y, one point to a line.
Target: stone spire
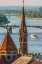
22	16
22	48
23	4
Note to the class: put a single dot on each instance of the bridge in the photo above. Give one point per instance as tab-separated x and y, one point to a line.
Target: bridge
11	14
10	27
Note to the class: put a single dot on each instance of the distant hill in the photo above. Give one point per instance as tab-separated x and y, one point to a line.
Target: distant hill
19	7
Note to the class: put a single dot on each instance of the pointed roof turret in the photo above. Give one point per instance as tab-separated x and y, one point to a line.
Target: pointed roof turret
22	23
22	15
8	44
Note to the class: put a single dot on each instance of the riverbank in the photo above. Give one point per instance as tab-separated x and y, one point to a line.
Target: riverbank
30	18
35	18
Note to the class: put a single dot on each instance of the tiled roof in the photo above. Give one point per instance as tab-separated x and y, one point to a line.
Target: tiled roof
22	60
14	59
22	23
8	44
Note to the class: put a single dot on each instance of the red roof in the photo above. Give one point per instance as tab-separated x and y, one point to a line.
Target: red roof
8	44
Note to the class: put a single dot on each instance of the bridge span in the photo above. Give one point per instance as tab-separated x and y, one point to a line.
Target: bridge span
10	27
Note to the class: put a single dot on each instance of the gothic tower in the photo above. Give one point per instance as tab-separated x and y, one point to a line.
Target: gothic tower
22	47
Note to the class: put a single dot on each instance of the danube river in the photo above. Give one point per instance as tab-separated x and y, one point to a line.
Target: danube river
34	45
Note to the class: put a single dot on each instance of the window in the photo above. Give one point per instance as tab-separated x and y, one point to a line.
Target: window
25	50
25	39
8	57
21	39
14	52
8	52
2	52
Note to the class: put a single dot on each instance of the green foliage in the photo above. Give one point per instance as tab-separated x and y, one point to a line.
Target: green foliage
33	14
3	18
28	14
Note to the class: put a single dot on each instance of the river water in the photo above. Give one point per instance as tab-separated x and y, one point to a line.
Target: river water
34	45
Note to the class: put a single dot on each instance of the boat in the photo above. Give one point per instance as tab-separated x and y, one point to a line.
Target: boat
34	36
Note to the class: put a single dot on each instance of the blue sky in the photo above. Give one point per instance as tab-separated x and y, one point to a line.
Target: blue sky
19	2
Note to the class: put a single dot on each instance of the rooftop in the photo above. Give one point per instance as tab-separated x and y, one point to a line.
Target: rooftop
28	59
22	60
8	44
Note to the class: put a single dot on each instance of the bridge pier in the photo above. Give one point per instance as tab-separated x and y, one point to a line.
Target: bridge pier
9	30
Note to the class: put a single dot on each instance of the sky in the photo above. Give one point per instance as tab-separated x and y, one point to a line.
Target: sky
19	2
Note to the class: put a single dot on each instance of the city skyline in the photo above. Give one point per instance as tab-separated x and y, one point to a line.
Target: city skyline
19	2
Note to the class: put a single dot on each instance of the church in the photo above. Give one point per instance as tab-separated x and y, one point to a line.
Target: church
10	54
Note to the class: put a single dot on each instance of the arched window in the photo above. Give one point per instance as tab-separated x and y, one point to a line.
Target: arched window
24	39
20	39
8	57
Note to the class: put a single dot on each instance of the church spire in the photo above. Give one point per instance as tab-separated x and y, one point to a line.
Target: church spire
22	23
23	4
22	48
